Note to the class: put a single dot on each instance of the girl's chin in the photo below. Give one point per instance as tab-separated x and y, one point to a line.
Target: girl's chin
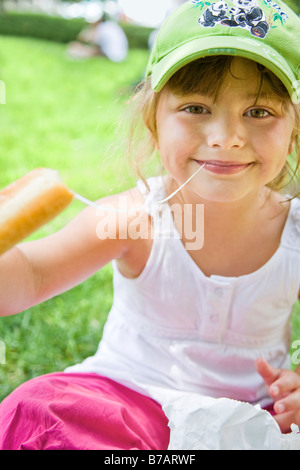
219	192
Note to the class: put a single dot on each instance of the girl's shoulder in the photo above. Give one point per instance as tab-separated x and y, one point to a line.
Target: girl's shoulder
293	223
119	213
130	221
290	236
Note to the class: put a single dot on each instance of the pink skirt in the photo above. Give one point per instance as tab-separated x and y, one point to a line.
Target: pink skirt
63	411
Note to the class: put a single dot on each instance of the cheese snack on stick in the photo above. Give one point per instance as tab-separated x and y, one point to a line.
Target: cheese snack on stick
29	203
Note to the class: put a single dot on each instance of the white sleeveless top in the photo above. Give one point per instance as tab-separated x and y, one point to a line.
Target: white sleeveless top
175	329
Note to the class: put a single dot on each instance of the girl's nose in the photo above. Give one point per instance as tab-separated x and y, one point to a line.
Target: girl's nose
226	134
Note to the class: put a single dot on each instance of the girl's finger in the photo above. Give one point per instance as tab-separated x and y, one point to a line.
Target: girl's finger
290	403
268	372
285	421
285	384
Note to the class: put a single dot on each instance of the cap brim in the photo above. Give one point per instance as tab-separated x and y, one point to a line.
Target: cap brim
222	45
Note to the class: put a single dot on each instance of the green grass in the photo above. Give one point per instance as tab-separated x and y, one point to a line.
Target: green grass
62	114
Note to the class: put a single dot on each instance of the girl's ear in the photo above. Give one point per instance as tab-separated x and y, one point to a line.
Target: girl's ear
149	117
292	146
293	143
151	138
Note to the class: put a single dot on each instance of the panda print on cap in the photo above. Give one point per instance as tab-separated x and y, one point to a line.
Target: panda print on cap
245	14
214	14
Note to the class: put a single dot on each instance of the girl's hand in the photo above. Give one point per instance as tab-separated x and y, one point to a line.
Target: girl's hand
284	388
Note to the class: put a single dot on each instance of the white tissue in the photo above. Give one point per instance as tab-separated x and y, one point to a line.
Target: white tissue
204	423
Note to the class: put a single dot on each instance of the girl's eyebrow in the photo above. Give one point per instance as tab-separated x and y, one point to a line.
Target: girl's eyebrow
262	95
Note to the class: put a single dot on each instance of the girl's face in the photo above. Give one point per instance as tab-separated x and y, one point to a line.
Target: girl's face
244	141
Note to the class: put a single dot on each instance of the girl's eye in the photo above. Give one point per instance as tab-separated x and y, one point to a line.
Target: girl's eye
196	109
258	113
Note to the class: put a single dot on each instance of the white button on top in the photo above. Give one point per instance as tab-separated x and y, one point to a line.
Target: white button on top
219	292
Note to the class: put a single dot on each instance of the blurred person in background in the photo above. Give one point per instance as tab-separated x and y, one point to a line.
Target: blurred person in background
101	38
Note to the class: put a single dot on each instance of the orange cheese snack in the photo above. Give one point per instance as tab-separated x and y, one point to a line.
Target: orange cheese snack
29	203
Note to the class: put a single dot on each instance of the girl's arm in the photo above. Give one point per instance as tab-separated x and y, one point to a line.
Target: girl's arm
36	271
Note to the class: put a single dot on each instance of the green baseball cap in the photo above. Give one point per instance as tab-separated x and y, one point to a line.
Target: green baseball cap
265	31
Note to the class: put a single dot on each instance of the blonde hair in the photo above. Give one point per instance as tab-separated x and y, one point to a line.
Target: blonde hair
205	76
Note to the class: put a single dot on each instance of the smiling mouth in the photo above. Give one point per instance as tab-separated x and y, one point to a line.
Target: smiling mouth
223	168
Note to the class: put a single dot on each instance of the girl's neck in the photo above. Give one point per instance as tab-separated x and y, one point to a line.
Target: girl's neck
238	237
237	215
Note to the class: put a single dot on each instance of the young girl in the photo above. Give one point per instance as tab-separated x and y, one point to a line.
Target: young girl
221	94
